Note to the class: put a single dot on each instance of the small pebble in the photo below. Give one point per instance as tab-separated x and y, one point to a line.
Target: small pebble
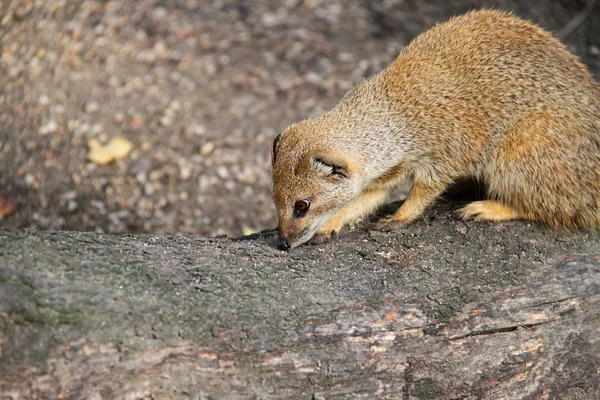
207	148
48	128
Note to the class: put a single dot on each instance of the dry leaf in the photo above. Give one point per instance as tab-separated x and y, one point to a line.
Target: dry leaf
93	144
7	206
98	154
119	147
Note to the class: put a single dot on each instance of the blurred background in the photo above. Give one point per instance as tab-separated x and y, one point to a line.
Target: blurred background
151	116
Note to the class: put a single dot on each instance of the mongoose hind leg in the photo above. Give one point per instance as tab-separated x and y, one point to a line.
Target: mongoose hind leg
421	196
365	203
489	210
546	167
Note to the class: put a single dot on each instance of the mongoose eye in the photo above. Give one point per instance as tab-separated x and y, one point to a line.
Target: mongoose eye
301	207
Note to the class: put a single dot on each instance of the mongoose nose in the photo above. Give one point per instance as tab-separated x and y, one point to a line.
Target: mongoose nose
284	243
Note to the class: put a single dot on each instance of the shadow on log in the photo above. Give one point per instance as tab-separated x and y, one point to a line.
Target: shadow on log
439	310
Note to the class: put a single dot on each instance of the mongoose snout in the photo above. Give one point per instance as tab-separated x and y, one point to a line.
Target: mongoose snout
486	96
284	243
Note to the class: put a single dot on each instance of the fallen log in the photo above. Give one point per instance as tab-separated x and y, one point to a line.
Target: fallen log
441	309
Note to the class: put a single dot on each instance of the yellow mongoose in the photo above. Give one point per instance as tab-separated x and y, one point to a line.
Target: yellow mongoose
485	95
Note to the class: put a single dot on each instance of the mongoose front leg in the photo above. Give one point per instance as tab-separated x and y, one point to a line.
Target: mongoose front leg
490	210
421	196
364	204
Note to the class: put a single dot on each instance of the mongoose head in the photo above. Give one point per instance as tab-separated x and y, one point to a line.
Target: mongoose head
311	181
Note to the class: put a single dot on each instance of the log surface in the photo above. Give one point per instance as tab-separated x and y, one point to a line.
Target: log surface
439	310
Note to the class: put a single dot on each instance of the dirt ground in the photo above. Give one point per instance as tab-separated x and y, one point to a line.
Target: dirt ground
200	88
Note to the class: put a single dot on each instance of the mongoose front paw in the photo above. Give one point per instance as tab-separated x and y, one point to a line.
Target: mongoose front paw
388	224
323	237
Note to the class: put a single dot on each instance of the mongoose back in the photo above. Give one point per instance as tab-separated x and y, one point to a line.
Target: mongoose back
485	96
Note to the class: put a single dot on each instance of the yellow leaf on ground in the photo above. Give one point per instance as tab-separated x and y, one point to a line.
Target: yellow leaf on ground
94	144
119	147
97	154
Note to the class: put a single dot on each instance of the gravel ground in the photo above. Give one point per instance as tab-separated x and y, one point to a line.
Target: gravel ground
200	88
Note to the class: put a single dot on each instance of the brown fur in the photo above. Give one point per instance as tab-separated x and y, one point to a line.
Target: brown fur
485	95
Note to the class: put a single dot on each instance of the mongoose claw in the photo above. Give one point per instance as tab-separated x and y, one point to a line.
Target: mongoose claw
321	238
489	210
388	224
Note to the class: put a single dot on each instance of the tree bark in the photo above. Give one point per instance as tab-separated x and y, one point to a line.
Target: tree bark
441	309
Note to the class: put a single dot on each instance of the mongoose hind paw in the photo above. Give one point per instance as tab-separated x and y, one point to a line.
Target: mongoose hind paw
488	210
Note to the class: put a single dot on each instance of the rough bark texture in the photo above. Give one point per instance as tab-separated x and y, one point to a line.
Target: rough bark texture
437	310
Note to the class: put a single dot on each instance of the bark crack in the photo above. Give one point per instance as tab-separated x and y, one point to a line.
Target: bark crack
408	380
503	329
549	302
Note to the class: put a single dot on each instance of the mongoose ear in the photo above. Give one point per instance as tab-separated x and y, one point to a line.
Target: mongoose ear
336	164
274	152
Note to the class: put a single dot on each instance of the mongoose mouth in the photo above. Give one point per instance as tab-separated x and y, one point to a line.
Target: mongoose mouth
286	242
